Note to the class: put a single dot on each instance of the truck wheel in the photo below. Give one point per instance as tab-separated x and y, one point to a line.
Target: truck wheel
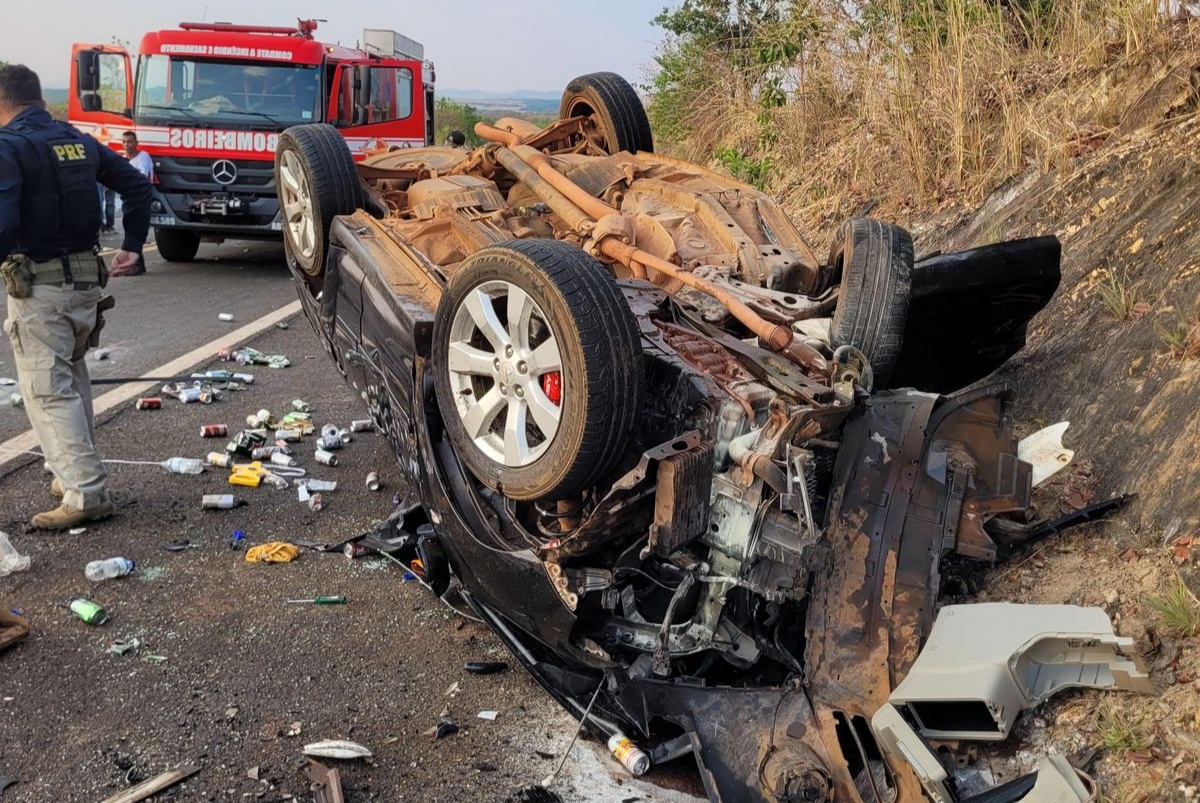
875	261
614	107
316	181
177	245
537	368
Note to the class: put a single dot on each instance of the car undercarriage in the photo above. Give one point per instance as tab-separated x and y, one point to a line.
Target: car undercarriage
699	480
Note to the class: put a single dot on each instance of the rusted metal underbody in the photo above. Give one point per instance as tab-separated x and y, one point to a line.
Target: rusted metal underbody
790	522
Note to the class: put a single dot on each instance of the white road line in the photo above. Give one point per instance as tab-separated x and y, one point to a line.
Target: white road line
9	450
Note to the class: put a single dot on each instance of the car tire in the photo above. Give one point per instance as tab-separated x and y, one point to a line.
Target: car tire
614	107
177	245
578	310
316	181
874	261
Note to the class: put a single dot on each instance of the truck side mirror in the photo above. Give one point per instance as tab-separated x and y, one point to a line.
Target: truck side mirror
91	102
87	69
362	95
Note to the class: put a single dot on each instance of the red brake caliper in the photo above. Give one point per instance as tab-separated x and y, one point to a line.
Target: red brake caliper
552	386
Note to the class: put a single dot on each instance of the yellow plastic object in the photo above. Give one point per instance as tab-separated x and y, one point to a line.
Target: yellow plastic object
273	552
248	474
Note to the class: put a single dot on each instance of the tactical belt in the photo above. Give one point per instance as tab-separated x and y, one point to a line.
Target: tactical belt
78	269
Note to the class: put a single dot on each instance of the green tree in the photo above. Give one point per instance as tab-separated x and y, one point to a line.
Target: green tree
450	116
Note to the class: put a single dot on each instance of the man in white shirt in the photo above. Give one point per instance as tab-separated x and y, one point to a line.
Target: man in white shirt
145	165
139	159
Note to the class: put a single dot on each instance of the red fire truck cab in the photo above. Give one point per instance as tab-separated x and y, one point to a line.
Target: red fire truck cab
208	101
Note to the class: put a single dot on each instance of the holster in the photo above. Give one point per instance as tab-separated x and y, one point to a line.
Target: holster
101	270
17	270
102	306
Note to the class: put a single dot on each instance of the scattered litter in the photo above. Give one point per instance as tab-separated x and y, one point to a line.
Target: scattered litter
15	400
13	628
444	728
10	559
484	766
318	601
354	550
490	716
77	531
629	754
214	431
325	781
180	546
108	569
452	689
1045	451
302	493
124	646
281	325
252	773
153	658
316	503
317	485
219	459
231	712
294	730
337	748
7	380
272	552
221	502
372	481
225	316
485	667
149	403
301	406
363	425
90	612
155	784
183	465
101	354
325	458
237	540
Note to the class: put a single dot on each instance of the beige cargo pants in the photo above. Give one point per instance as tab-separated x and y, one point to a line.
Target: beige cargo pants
49	332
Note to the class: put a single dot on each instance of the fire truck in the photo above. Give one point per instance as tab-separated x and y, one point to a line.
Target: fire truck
209	100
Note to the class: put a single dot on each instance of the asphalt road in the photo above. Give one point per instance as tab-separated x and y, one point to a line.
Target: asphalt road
228	677
172	309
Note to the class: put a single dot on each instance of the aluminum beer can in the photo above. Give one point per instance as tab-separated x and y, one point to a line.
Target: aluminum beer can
373	481
364	425
325	458
149	403
280	459
219	460
329	431
288	435
354	550
214	431
301	406
218	502
91	612
263	452
330	444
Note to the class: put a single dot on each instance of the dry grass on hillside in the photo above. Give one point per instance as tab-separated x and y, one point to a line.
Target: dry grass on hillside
947	109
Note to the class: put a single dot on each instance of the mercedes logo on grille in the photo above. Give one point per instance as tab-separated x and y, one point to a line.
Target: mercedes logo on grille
224	172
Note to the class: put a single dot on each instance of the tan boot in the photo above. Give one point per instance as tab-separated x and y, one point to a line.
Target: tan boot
65	516
56	488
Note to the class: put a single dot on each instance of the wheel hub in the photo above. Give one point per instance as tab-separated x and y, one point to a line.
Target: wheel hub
501	348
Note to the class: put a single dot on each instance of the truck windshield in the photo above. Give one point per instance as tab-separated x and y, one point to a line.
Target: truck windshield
228	93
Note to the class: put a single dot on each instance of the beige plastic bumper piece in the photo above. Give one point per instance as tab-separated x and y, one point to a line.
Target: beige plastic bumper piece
1057	781
986	663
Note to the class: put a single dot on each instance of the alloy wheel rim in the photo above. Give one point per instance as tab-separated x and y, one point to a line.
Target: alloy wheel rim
297	204
501	353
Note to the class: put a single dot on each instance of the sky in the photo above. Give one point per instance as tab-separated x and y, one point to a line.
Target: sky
494	45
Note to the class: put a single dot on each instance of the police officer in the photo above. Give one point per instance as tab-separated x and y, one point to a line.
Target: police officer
49	217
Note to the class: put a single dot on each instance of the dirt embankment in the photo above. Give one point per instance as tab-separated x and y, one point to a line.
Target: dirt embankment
1117	353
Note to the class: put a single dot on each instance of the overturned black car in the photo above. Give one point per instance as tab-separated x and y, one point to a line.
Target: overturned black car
699	480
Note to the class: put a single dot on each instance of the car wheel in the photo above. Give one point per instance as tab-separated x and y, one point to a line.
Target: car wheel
874	261
537	368
176	245
615	108
316	181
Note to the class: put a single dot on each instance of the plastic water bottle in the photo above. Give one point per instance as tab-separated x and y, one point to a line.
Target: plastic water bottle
183	465
10	559
99	570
